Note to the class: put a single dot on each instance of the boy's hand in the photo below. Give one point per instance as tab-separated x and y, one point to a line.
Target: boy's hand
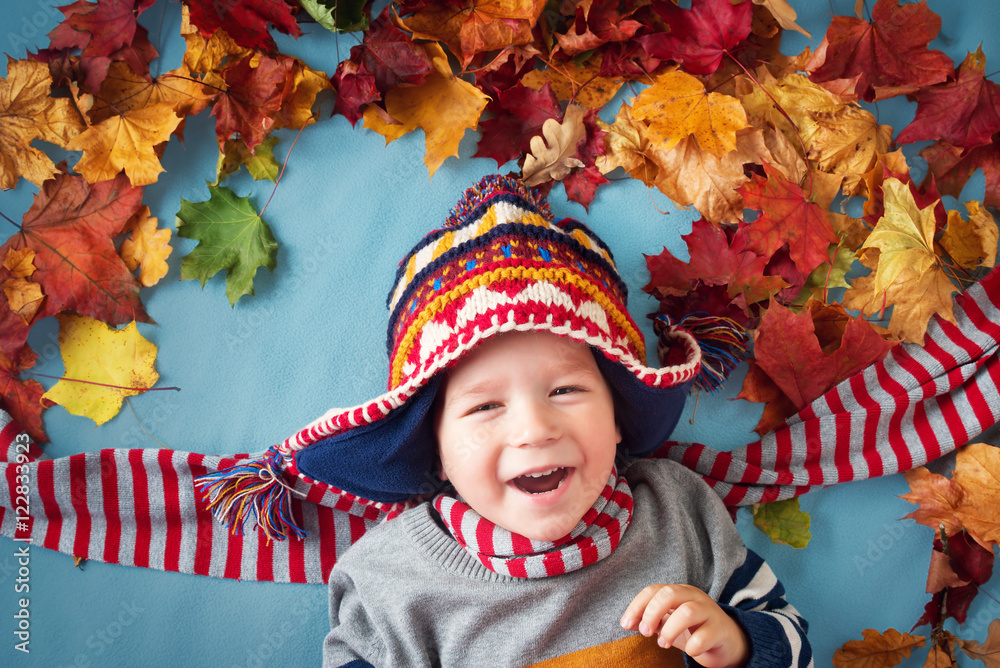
685	617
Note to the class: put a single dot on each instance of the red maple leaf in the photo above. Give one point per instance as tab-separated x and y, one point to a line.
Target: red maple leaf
355	88
518	115
594	25
889	54
964	112
581	184
391	55
789	351
252	95
951	170
716	259
103	33
22	398
787	216
972	563
71	226
246	21
701	36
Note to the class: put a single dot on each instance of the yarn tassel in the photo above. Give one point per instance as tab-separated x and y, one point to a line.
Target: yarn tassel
256	488
724	345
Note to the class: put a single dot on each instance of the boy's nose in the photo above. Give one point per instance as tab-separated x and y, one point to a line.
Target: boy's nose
534	425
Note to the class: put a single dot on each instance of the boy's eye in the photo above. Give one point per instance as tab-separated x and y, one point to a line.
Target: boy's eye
484	407
566	390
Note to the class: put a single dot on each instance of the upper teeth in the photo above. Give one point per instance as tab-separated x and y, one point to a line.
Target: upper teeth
541	473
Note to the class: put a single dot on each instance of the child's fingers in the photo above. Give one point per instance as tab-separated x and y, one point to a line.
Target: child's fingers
634	612
681	626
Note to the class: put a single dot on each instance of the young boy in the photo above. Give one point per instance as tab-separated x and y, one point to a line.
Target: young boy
517	378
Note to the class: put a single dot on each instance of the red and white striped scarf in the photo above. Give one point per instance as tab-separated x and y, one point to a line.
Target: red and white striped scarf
139	507
594	537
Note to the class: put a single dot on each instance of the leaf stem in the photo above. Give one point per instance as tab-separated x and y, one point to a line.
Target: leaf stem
139	422
9	220
282	172
94	382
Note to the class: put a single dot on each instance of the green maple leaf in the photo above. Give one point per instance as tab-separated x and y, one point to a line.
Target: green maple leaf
231	236
783	522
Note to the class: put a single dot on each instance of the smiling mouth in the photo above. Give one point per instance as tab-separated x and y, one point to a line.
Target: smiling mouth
541	482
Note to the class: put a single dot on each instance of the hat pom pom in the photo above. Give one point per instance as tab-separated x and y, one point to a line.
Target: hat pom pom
724	345
257	487
487	188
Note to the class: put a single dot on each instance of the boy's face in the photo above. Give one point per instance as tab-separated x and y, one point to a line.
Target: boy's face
526	432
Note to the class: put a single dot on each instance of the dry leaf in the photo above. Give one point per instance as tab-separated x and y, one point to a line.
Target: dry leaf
677	106
146	246
552	154
783	13
987	652
977	470
103	357
971	243
24	297
937	496
20	262
877	650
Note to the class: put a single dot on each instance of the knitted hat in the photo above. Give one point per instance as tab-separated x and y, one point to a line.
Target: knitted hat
499	264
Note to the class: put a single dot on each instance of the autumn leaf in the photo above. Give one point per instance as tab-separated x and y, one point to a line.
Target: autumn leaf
20	262
877	650
390	56
206	54
338	15
71	227
951	168
23	297
246	21
27	113
302	86
787	349
701	36
937	498
553	154
987	652
253	93
231	235
626	146
783	522
904	235
581	83
518	115
260	162
787	216
963	113
971	566
889	55
971	243
125	142
977	471
469	27
443	105
594	24
784	14
147	246
96	357
124	91
847	142
677	105
22	398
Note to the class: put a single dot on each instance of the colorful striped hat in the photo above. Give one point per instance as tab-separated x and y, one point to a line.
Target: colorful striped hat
499	264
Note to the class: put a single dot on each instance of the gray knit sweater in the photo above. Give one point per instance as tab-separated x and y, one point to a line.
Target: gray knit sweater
408	595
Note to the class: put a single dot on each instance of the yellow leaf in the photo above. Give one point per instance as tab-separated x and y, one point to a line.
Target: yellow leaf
207	55
21	263
846	142
552	158
904	235
677	106
124	91
146	246
297	105
691	176
24	297
977	471
783	13
799	97
443	105
27	113
971	243
626	146
914	298
877	650
581	83
126	142
103	357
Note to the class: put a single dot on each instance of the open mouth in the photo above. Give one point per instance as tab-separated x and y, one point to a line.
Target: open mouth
542	481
